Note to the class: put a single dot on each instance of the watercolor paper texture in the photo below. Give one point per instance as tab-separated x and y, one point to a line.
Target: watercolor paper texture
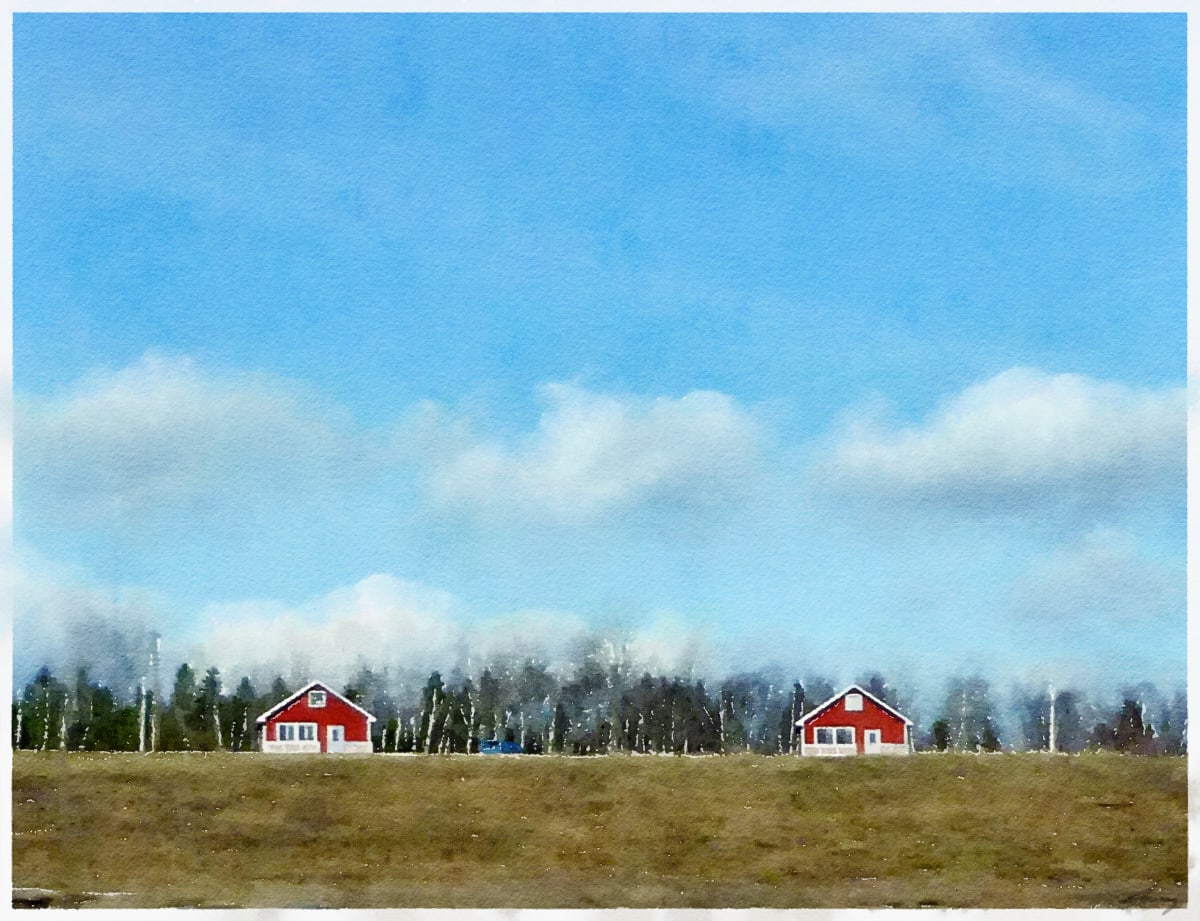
555	461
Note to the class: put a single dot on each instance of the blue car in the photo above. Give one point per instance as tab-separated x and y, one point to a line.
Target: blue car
492	747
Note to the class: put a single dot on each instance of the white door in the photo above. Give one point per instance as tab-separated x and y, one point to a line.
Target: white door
335	739
871	742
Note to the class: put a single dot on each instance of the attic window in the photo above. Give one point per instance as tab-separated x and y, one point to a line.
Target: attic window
853	701
316	699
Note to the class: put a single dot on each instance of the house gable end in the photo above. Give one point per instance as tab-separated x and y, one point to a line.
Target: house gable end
887	710
297	699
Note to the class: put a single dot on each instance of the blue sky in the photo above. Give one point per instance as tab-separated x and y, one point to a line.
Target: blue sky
835	342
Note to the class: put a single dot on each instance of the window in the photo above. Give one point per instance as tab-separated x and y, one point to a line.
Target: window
835	735
316	699
872	736
853	701
296	732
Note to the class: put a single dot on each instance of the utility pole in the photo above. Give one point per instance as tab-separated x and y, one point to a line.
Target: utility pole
1053	728
797	712
962	720
156	684
142	716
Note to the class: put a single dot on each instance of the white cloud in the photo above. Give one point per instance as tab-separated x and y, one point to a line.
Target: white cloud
547	636
594	453
163	435
380	622
62	619
909	91
1021	442
668	644
1100	580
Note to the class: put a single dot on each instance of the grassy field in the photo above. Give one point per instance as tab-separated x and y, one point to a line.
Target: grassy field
534	832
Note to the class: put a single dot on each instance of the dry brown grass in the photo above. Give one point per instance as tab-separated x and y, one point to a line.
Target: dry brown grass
537	832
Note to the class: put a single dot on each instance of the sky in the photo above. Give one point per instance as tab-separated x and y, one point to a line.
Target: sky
820	342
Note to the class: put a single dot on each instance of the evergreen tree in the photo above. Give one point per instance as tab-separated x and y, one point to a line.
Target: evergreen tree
177	732
1172	733
42	711
875	685
203	719
433	702
969	716
1127	733
79	728
561	726
489	706
279	692
239	713
940	733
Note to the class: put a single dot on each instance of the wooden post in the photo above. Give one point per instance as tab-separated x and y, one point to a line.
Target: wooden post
1053	727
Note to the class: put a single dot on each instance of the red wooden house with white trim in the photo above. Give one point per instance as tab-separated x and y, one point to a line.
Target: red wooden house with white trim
854	722
316	719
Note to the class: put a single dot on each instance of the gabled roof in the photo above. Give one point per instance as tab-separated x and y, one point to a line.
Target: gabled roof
853	689
284	704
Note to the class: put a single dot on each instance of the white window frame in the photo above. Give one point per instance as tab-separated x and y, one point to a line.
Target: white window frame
830	735
838	730
316	699
295	732
854	702
878	740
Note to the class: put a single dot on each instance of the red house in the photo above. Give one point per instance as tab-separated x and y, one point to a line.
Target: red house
316	719
854	722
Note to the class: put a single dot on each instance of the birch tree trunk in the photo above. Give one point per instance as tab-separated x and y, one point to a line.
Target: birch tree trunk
46	720
428	746
142	716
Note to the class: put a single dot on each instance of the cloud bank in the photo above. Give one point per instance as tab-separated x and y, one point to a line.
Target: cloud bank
63	620
164	437
592	454
1021	442
386	622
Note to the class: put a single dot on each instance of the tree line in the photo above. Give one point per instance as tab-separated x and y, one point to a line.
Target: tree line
604	705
